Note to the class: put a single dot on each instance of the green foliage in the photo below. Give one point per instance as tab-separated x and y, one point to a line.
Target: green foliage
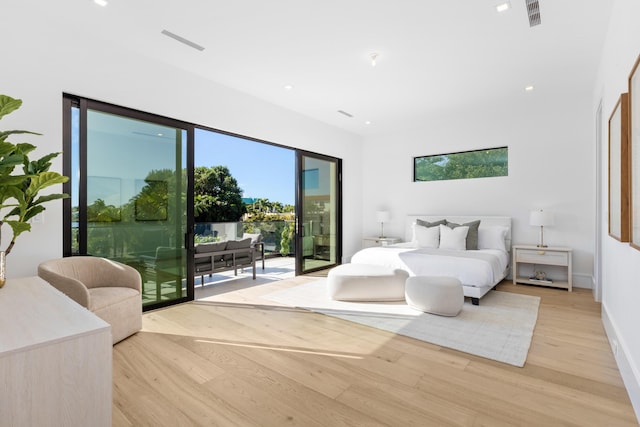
285	241
471	164
152	202
261	216
150	218
204	239
19	192
217	197
99	211
263	205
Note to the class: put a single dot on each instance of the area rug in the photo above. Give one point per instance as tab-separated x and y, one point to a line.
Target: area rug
500	328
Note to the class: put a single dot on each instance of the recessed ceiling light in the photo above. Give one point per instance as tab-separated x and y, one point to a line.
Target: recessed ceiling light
503	7
374	58
529	88
102	3
288	87
368	122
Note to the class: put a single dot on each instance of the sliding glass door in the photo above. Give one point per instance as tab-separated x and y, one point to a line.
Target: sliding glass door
318	212
130	195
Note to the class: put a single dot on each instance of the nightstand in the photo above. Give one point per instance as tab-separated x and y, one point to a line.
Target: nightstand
368	242
549	256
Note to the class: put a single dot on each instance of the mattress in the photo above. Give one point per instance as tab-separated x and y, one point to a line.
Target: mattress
476	268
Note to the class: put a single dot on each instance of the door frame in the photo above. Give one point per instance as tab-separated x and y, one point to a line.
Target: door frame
84	104
298	228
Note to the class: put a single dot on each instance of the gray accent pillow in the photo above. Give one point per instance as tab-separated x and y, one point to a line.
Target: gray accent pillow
472	235
431	224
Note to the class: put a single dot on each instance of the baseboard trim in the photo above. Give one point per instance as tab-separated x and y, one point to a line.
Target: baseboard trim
582	280
629	374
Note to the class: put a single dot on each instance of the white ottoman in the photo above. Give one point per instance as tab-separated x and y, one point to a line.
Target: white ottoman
434	294
364	282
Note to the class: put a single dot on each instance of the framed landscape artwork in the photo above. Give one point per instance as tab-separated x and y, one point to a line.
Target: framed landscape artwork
634	135
619	170
489	162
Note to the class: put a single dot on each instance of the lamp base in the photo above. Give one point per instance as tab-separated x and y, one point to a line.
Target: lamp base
541	240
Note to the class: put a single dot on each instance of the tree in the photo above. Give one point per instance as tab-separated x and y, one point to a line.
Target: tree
263	205
217	195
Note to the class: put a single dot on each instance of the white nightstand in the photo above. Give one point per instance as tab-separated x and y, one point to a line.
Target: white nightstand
368	242
549	256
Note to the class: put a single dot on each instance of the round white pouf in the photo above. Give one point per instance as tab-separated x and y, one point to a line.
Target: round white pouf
364	282
436	295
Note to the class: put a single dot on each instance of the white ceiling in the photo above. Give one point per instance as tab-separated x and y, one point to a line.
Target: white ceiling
433	56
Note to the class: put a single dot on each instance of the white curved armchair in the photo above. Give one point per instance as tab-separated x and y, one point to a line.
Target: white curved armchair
110	289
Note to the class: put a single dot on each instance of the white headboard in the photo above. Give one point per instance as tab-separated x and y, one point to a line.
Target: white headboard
485	221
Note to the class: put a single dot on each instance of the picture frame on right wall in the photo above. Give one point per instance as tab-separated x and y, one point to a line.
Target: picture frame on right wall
619	221
634	142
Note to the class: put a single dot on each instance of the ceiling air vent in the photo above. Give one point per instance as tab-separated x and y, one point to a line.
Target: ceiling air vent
533	10
182	40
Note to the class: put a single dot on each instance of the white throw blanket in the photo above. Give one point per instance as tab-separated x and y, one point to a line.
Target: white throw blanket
479	268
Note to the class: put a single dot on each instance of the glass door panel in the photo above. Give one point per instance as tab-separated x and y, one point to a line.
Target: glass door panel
135	201
318	209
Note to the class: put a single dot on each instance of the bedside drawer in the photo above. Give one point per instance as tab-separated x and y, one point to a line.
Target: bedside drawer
542	256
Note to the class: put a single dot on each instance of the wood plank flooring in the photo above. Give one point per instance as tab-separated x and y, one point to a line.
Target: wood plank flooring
236	359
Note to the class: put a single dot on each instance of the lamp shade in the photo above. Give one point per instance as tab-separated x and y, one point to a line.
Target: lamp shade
541	218
383	216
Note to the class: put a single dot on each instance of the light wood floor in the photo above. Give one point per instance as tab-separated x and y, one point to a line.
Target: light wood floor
238	360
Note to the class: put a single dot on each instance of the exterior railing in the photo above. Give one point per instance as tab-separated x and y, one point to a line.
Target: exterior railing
271	231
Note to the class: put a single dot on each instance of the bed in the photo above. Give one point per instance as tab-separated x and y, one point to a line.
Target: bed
479	265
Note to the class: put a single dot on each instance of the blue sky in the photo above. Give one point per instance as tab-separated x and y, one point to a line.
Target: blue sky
262	170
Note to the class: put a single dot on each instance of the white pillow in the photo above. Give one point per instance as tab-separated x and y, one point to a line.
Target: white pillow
453	238
492	237
426	237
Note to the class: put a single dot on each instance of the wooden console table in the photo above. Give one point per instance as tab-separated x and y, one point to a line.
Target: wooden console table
55	359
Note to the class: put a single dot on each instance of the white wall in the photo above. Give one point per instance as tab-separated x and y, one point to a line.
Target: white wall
620	262
551	158
46	57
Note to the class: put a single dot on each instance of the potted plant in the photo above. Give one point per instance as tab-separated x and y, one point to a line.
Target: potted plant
19	200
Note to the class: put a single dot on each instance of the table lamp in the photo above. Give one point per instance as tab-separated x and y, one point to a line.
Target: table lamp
382	216
541	219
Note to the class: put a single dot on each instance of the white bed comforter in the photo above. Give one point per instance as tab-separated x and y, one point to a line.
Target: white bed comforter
479	268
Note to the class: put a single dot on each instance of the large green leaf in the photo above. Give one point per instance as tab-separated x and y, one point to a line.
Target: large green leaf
31	212
7	163
44	180
11	191
24	147
49	197
16	180
8	104
6	148
41	165
6	133
18	227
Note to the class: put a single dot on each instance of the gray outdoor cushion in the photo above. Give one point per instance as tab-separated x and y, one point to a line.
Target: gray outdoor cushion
238	244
